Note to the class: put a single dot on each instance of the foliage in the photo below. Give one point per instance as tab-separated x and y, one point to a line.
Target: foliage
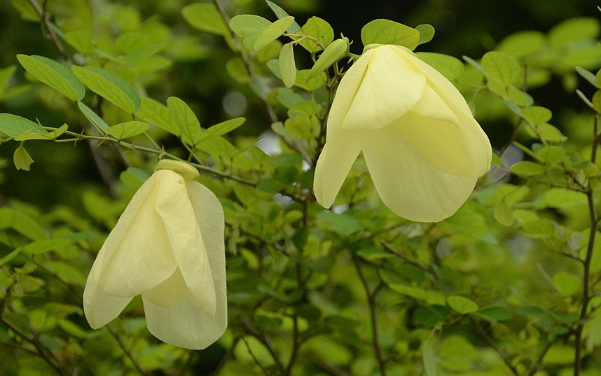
507	285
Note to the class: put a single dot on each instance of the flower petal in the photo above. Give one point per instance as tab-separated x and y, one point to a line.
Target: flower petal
174	206
432	106
185	325
333	165
141	256
408	184
442	144
209	216
391	85
99	307
453	98
170	292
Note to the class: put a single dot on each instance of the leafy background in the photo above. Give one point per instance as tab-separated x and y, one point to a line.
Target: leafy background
494	290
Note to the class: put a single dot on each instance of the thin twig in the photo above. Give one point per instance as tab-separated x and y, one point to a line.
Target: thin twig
45	20
371	303
126	351
411	261
492	344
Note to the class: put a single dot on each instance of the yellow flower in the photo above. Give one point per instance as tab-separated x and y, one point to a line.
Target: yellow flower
167	246
423	148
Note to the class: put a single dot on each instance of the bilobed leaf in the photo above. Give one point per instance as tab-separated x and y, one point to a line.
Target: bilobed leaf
109	86
29	135
320	30
448	66
156	113
501	66
220	129
81	40
127	129
461	304
272	32
14	126
205	17
96	120
566	283
21	158
426	33
185	119
54	75
281	13
536	114
429	358
287	64
389	32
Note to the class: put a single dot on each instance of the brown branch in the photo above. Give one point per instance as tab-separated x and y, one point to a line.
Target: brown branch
45	20
492	344
126	351
411	261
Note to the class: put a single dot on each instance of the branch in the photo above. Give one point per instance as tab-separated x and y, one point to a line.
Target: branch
45	20
411	261
492	344
126	351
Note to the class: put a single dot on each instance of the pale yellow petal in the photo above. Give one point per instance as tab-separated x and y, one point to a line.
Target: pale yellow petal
210	219
453	98
347	89
334	163
432	106
142	256
442	144
170	292
174	206
100	307
410	186
391	85
185	325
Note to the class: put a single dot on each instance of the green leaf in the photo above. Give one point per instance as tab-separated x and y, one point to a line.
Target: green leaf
496	313
81	40
287	65
574	29
389	32
23	224
238	70
273	32
549	133
551	154
587	75
536	114
501	66
249	27
320	30
14	126
66	272
532	311
540	228
156	113
281	13
429	358
429	296
54	75
42	136
448	66
373	253
185	119
46	245
522	43
503	213
270	186
566	283
560	198
343	224
474	64
109	86
527	168
220	129
10	256
312	84
288	160
205	17
462	304
127	129
468	221
426	33
5	74
21	158
96	120
337	50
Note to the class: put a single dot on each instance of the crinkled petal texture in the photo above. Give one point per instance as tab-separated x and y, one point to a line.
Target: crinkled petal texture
422	146
168	247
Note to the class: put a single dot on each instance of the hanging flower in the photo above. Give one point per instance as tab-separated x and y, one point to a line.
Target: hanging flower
167	246
423	148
